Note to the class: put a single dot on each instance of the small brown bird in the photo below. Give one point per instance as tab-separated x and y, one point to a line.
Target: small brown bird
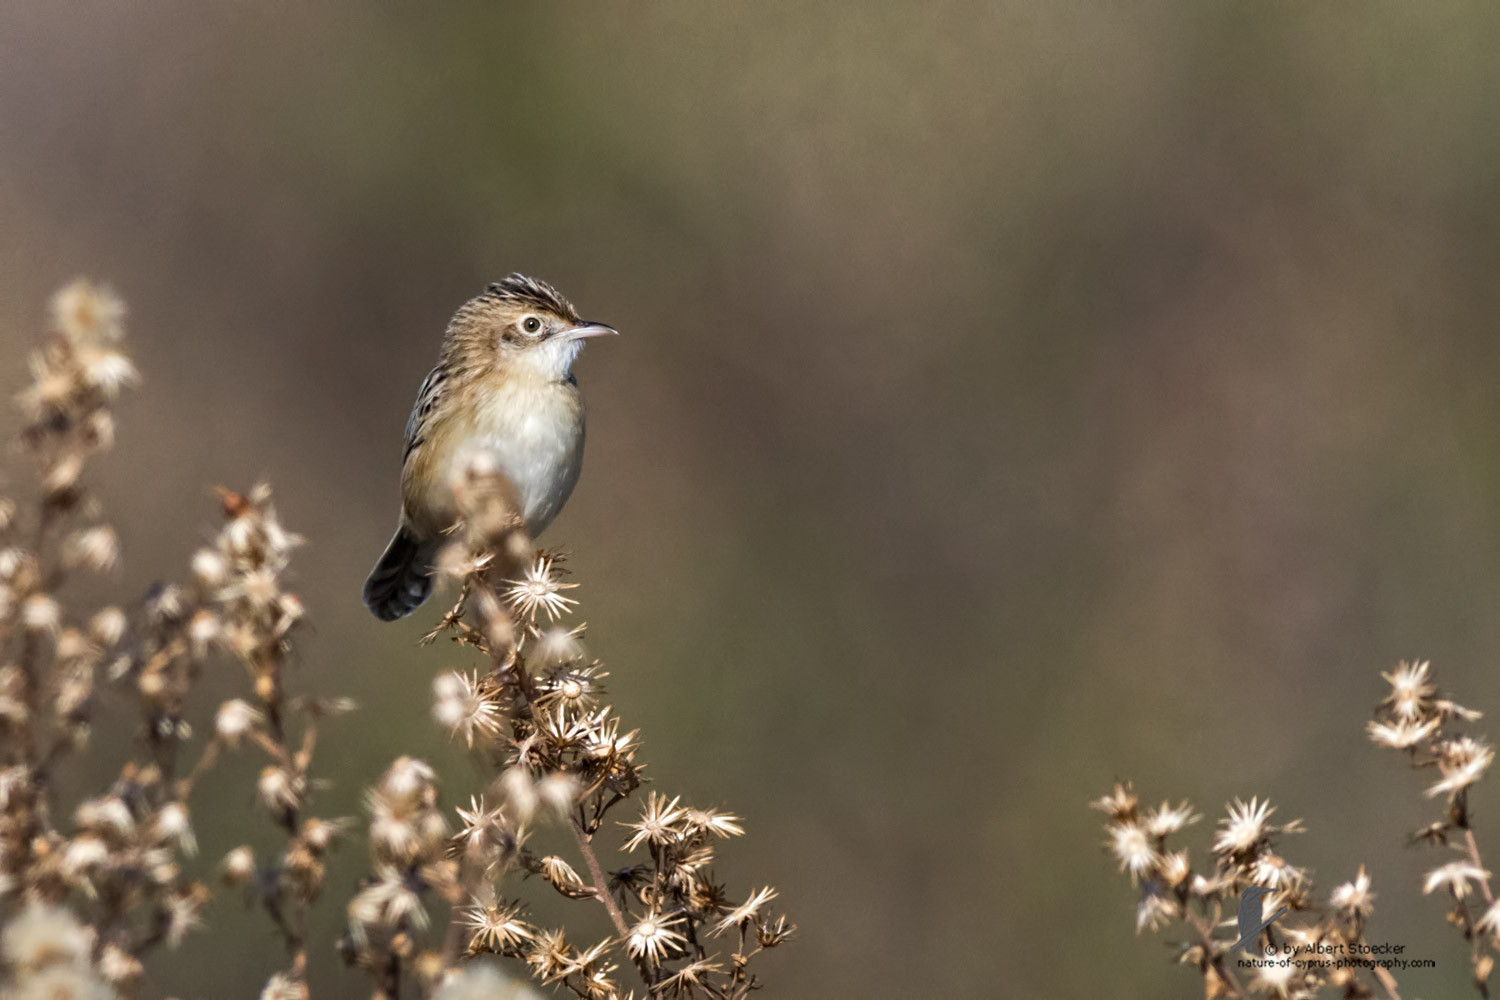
505	385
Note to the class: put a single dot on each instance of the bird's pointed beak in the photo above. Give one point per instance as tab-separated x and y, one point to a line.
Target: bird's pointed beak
586	330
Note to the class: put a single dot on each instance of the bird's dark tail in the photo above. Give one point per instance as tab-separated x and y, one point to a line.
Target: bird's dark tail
402	579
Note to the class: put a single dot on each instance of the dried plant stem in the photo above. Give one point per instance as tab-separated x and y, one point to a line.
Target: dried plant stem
1477	957
1387	982
1210	949
508	667
598	883
1472	847
534	716
1476	945
206	762
118	866
31	690
1427	728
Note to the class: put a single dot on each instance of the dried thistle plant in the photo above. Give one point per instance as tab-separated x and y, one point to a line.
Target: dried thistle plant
90	888
88	892
1327	936
534	713
250	615
1414	719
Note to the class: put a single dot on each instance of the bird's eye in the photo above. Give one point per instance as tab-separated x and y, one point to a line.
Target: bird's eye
531	324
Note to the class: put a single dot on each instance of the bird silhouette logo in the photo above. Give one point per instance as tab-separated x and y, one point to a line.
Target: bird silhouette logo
1249	918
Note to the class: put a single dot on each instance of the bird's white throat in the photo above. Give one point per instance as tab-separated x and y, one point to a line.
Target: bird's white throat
552	359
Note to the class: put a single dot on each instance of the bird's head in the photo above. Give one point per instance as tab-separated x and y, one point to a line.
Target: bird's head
525	324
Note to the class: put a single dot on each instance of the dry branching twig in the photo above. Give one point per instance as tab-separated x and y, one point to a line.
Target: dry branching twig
87	900
1301	947
109	887
1415	720
89	888
535	715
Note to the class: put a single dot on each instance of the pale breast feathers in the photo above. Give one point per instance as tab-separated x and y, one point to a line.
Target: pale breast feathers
534	430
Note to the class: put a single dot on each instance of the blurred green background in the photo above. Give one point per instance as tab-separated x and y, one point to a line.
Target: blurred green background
1013	397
